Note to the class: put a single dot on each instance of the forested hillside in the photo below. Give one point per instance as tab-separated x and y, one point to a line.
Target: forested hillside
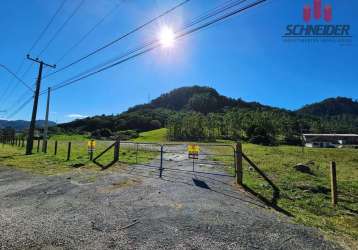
19	125
201	113
331	107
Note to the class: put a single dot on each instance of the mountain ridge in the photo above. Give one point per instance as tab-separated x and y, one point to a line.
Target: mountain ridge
22	124
331	107
205	100
331	114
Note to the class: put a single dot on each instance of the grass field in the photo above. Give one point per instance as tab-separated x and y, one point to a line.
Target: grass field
50	164
306	196
73	137
158	135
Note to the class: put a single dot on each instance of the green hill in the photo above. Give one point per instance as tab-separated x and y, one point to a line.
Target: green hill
196	98
155	114
201	113
331	107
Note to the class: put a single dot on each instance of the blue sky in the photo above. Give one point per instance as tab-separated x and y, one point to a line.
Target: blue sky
242	57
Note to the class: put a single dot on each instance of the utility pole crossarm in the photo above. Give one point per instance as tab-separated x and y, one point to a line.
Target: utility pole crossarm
37	60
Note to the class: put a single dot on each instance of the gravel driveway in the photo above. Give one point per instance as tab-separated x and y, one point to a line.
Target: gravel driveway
131	208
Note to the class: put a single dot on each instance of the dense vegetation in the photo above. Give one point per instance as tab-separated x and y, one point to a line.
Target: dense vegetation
201	113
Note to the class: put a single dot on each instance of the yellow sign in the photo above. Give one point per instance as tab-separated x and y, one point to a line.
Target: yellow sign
91	145
193	151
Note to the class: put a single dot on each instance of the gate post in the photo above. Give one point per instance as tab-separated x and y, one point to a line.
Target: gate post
161	162
91	150
239	172
116	150
69	151
333	183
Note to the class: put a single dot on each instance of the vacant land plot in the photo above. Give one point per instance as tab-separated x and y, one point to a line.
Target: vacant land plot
305	196
131	208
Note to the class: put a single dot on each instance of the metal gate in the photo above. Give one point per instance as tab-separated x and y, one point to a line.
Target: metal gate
140	153
213	159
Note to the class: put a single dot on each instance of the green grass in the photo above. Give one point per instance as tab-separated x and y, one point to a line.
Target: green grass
51	164
64	137
157	135
308	197
37	163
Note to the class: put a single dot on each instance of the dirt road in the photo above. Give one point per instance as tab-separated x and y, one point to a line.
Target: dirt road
131	208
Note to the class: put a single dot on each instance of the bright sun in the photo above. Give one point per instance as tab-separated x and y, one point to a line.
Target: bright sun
166	37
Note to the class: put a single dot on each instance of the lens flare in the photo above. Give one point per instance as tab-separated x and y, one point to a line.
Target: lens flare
166	37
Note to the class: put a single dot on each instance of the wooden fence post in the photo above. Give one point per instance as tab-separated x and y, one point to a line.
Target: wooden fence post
69	151
161	162
333	183
116	150
91	150
38	145
55	152
44	146
239	172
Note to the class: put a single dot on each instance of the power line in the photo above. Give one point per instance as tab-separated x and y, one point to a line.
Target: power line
105	68
118	39
195	21
61	27
213	12
156	45
14	75
14	87
11	80
128	53
9	84
94	27
18	100
23	105
11	90
223	7
47	26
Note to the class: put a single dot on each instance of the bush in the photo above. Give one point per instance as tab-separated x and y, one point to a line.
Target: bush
101	133
127	134
294	140
155	124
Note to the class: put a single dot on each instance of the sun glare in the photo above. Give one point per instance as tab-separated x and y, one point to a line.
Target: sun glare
166	37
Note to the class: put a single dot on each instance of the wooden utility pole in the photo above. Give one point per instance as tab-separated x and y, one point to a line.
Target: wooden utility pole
30	136
44	143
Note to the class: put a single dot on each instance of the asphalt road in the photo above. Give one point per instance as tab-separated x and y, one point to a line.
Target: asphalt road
131	208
